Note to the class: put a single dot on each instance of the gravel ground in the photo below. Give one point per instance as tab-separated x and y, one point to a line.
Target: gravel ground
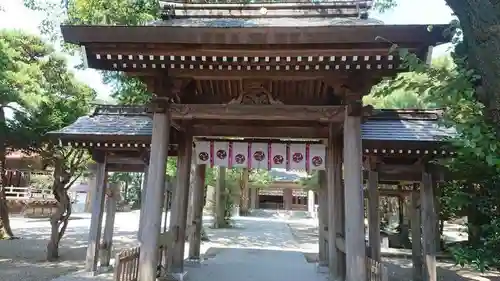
25	259
400	269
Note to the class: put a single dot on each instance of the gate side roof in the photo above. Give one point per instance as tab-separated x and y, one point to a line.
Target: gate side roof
385	125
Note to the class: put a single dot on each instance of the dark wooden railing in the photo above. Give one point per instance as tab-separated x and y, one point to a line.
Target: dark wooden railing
127	261
376	271
127	265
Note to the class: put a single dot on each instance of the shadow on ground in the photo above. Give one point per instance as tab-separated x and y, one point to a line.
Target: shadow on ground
399	269
254	264
250	234
25	258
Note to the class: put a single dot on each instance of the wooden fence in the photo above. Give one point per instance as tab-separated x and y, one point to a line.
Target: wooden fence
26	193
127	265
127	261
376	271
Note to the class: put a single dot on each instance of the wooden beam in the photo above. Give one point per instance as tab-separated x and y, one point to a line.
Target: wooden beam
126	160
244	112
260	131
236	51
217	74
256	35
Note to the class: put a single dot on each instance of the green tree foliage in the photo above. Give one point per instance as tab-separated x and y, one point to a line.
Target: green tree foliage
45	97
389	95
20	59
126	89
471	192
310	181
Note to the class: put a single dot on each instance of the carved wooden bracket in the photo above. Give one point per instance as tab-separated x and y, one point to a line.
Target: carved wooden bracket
98	156
372	163
163	86
145	156
254	93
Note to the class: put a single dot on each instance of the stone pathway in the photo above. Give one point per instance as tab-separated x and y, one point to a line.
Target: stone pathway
260	249
256	249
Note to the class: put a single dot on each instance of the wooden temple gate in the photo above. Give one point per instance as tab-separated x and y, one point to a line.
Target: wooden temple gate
396	143
261	72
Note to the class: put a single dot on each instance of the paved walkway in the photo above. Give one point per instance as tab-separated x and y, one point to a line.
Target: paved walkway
256	249
260	249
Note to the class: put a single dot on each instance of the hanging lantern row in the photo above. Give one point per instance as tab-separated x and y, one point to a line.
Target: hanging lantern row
289	156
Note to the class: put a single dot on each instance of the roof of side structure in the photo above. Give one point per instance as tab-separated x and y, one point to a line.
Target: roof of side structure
384	125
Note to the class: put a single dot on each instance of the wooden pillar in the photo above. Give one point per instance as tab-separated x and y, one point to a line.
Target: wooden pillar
220	188
323	218
310	202
143	204
340	218
112	197
245	192
428	224
287	198
91	181
153	201
190	205
254	203
197	220
355	232
334	176
401	200
178	215
437	209
416	236
373	213
97	211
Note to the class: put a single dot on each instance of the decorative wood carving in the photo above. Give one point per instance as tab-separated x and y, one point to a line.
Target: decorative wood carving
267	112
254	93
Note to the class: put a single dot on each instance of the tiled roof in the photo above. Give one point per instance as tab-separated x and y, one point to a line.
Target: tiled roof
410	125
111	121
264	22
384	125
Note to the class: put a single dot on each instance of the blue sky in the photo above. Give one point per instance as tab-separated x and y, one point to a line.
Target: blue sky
407	12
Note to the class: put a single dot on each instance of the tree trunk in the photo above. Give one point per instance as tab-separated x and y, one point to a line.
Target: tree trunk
244	193
5	230
59	220
480	23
